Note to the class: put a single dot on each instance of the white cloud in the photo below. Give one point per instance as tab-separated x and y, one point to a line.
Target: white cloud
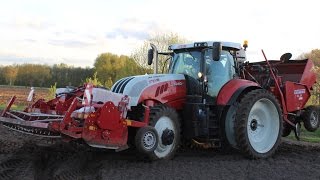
75	32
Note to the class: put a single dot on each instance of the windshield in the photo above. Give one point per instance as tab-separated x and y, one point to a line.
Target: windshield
218	72
186	62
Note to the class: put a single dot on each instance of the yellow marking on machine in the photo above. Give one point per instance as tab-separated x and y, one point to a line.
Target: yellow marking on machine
128	122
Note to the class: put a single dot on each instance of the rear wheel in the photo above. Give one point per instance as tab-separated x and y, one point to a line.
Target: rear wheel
165	120
311	118
258	124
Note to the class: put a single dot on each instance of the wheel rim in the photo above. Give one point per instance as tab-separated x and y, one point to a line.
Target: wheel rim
149	140
263	125
162	124
313	119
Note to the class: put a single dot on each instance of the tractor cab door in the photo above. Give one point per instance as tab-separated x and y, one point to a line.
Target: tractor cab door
187	62
219	72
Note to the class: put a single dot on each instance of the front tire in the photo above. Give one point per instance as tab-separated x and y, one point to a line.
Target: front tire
258	125
166	122
146	140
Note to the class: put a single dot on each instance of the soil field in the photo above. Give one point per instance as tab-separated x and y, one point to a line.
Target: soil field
21	93
26	157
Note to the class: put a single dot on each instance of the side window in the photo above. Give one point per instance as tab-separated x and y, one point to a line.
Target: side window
219	72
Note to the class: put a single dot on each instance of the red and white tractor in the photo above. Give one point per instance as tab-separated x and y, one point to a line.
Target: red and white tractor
211	96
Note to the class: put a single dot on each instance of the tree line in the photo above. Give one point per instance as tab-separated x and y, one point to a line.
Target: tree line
106	70
43	75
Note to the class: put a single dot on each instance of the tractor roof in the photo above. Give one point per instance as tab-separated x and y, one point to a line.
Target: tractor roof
225	45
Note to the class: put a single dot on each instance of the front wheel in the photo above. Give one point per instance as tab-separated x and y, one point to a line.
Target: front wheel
146	139
258	124
166	122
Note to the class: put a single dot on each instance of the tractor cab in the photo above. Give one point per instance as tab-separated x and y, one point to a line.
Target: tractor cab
217	73
201	69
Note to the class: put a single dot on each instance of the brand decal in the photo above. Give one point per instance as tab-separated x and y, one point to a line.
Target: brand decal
175	83
151	81
156	76
299	91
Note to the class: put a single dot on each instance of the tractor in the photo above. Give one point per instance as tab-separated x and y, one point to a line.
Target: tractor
211	97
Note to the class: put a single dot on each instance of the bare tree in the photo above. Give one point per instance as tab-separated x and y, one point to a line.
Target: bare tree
162	41
314	55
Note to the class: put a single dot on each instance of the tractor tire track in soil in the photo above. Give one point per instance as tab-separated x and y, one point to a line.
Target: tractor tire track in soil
21	157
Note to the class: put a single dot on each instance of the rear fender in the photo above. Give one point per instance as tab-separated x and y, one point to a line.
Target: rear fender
230	92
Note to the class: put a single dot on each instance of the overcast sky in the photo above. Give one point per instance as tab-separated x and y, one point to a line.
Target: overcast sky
76	31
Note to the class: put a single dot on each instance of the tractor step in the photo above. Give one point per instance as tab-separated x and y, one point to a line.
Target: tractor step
211	143
213	125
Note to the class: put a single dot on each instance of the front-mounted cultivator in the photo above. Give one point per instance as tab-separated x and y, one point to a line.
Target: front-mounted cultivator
92	114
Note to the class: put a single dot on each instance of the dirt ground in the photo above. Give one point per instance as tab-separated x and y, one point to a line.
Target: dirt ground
21	93
25	157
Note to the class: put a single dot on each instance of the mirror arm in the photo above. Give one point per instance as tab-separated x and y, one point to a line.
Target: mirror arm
155	55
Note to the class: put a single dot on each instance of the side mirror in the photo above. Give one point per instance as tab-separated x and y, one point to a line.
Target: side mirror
150	56
153	53
216	51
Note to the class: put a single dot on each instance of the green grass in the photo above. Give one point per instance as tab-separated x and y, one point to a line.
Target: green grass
307	136
13	107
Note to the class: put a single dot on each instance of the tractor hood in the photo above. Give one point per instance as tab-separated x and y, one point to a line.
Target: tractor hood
134	86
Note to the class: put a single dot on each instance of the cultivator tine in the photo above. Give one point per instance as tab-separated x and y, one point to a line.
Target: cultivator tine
34	128
33	131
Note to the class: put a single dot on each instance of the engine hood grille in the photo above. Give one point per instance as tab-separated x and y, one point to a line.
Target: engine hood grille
134	86
121	84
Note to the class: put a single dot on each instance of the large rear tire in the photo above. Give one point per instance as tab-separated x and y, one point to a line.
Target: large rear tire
258	125
166	122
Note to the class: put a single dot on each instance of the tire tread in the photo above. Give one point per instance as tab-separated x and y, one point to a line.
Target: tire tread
156	113
242	113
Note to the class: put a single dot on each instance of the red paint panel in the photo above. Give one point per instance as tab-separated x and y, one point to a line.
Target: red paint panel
105	128
296	96
170	91
109	117
230	88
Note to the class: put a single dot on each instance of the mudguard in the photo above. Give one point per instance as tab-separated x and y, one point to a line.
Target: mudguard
232	89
